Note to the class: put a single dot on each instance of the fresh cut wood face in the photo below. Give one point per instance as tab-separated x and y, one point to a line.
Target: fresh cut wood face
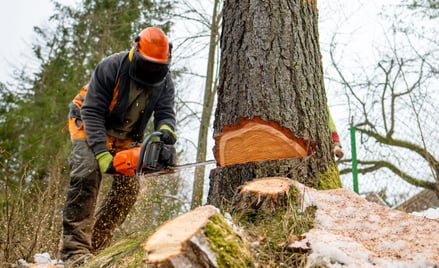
170	240
257	140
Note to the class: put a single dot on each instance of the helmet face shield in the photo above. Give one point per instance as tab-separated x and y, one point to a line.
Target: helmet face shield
145	71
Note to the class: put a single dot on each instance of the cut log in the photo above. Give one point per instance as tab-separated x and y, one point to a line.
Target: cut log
256	140
263	196
199	238
174	241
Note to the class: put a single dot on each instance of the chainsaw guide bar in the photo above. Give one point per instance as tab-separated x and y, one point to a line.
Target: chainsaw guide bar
174	169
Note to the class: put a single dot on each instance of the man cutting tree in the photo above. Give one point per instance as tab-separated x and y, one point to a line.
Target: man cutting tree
106	117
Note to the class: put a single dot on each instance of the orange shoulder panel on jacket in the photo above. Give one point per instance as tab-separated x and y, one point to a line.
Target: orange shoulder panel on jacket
115	93
79	98
76	132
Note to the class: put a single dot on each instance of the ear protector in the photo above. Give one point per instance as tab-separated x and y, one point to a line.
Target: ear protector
131	54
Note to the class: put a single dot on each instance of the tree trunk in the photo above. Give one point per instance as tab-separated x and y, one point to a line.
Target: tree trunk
270	76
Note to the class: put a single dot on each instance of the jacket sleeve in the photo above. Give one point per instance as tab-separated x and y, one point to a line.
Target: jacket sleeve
97	101
164	113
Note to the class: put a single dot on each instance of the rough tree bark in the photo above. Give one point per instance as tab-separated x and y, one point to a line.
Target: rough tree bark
270	75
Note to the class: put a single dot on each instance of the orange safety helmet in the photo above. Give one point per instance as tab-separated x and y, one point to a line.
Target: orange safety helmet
153	44
150	57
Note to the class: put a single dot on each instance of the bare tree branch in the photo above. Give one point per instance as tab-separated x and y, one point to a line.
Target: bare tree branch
376	165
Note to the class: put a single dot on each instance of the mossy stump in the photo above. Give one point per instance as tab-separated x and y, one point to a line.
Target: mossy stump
199	238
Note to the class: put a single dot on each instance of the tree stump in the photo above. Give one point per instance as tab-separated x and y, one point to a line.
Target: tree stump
225	181
199	238
263	197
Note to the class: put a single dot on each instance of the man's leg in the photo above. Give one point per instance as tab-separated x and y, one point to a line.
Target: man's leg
80	202
114	209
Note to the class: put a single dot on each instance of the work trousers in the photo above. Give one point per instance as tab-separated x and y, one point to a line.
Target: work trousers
85	229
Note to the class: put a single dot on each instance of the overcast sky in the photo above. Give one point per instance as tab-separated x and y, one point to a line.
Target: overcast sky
17	19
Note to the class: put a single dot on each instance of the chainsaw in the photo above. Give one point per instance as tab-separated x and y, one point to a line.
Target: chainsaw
152	158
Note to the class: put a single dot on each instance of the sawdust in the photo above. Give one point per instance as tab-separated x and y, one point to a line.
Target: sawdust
366	234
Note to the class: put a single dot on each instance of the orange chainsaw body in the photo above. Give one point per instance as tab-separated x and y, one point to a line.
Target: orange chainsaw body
152	156
125	161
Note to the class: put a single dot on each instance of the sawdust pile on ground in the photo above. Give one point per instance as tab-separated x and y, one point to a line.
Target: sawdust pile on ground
351	231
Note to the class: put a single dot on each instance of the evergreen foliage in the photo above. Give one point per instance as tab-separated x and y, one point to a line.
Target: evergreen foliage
33	148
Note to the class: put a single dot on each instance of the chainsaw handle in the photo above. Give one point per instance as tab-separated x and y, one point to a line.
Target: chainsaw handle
143	148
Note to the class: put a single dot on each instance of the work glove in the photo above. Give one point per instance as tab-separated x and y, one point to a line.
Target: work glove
105	161
337	150
168	135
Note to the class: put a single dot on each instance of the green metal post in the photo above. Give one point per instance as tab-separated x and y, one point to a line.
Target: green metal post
354	159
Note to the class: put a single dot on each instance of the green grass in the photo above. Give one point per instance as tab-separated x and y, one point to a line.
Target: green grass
271	234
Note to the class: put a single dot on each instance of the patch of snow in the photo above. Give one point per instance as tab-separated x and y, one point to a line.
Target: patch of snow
431	213
42	260
348	212
349	231
333	250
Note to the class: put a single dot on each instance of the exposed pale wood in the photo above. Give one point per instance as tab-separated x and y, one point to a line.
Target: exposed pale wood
256	140
267	186
179	242
262	196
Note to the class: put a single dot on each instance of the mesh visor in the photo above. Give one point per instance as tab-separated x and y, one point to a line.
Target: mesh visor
145	71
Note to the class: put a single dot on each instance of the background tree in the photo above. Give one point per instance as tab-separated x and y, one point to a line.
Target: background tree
271	73
427	8
208	104
35	160
393	105
197	43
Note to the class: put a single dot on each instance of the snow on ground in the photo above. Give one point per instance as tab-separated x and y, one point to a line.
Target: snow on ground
431	213
42	260
349	231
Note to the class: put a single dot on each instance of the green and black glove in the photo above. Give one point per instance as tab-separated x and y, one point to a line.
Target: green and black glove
168	135
105	161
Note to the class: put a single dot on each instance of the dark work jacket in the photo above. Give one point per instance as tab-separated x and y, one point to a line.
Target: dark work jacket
95	111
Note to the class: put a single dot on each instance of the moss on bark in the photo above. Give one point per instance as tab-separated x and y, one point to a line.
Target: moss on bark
231	249
330	179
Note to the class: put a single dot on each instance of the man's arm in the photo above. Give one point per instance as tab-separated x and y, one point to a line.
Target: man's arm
164	113
97	101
